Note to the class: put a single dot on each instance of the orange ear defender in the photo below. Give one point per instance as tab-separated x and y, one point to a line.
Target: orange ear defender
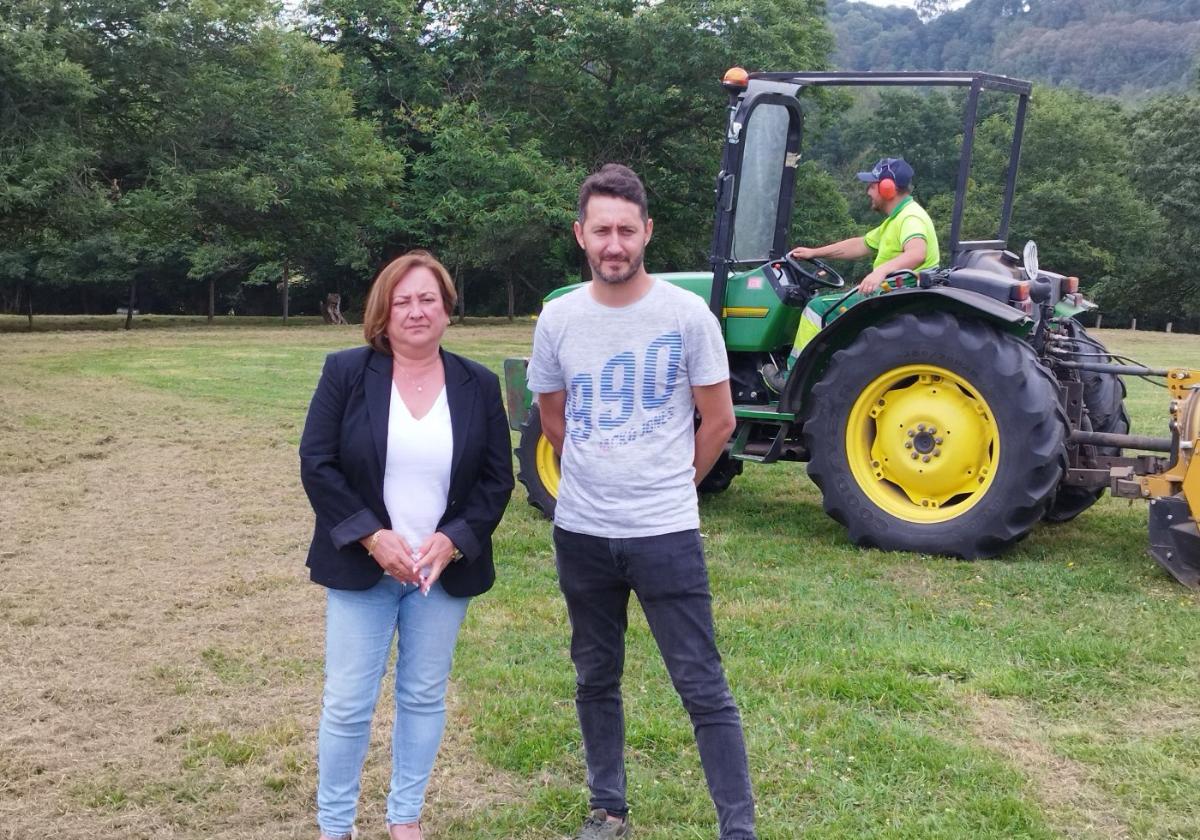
887	184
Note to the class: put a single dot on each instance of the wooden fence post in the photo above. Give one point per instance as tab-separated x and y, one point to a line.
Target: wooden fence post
286	281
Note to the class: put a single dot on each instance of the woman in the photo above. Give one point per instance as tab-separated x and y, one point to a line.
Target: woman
406	459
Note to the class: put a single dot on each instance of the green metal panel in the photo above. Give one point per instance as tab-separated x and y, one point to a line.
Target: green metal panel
518	397
560	291
747	295
1065	309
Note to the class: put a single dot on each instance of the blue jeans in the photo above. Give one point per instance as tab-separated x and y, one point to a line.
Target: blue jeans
670	579
359	628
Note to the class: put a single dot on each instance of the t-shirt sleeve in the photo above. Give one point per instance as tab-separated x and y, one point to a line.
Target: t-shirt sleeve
707	362
911	227
544	374
873	236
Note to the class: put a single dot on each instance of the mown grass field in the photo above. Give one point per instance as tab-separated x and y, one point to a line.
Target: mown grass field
160	646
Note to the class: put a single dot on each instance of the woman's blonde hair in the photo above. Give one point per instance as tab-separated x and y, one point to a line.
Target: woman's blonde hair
379	299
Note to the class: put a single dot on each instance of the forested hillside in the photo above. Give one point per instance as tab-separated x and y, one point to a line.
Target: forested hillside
1124	47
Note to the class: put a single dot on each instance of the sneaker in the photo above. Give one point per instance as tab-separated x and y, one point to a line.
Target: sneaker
599	827
774	377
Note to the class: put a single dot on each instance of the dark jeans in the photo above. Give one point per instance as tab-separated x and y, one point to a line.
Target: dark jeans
668	575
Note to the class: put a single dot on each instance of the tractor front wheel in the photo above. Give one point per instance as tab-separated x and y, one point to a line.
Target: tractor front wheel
537	465
724	471
936	435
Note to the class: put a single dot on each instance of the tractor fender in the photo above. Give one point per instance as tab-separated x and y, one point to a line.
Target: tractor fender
840	332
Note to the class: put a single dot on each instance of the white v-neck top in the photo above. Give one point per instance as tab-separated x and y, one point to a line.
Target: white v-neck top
416	476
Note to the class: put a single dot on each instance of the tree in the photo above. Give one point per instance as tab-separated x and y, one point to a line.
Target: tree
583	83
1166	170
47	191
495	206
1075	195
215	143
308	184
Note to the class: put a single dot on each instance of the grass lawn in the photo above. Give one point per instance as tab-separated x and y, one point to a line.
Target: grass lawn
161	647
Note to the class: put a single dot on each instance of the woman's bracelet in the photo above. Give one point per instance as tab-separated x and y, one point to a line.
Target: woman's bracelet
371	543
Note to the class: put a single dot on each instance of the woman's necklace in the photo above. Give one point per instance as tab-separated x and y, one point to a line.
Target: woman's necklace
419	381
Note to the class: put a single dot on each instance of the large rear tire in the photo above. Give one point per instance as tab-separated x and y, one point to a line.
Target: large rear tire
1104	399
936	435
537	465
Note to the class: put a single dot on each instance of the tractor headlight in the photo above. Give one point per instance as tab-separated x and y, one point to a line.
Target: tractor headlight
1030	257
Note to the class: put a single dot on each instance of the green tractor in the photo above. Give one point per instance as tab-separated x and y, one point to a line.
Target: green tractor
949	414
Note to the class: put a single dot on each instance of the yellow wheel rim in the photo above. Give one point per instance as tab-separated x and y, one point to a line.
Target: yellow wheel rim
547	466
923	444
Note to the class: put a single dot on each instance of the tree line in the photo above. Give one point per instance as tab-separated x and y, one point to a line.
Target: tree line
208	155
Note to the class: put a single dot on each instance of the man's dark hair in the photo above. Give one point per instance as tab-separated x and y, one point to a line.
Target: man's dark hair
615	180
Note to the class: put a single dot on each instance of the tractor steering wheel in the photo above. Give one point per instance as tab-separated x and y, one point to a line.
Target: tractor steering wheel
815	271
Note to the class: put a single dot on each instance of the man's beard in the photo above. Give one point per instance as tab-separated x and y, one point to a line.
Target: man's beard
635	265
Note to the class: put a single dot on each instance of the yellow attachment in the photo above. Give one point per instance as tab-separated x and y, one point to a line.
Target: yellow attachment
922	444
1181	381
1184	472
548	469
1186	411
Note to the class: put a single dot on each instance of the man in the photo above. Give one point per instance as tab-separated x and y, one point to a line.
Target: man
620	367
906	239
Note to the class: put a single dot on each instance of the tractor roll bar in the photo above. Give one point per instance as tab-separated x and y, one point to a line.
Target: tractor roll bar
904	78
977	82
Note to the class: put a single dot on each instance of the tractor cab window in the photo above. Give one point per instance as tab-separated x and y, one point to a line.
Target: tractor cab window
766	138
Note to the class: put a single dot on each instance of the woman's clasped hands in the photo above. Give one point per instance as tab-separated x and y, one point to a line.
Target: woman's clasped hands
420	567
394	556
433	555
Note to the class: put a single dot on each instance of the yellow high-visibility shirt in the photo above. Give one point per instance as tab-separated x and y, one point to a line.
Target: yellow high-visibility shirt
906	221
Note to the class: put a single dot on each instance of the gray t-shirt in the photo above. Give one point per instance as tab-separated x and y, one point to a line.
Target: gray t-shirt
630	437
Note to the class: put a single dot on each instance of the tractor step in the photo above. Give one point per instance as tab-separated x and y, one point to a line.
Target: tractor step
769	413
763	435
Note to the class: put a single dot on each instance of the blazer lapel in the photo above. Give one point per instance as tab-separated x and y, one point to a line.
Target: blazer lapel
460	399
377	383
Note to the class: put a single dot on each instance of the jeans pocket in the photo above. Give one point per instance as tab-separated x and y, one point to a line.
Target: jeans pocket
669	565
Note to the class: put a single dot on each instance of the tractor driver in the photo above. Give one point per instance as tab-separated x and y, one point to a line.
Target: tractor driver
906	239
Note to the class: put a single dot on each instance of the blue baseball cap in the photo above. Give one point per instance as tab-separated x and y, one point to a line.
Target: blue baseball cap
895	168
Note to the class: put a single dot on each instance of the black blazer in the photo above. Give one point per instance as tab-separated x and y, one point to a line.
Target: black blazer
342	454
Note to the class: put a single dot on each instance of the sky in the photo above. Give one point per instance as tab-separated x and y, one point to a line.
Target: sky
908	3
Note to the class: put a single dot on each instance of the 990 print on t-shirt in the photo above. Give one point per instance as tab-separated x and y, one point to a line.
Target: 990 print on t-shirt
630	396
